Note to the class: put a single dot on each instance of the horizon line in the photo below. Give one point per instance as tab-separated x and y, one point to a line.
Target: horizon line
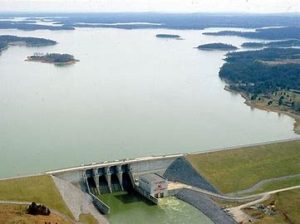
152	12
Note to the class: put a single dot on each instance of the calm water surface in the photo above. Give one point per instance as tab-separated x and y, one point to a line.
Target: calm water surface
130	95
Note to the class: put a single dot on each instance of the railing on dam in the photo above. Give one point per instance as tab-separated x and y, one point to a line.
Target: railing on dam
115	163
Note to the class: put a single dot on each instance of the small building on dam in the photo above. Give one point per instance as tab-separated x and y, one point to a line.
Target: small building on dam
154	184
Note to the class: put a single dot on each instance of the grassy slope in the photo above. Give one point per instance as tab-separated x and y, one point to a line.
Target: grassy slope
279	184
40	189
239	169
16	214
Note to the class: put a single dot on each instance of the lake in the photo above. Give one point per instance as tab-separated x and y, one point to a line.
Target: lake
131	95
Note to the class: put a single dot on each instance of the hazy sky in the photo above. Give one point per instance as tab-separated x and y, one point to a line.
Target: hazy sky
258	6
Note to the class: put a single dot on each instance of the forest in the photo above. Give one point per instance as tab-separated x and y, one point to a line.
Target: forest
284	43
6	40
54	58
250	71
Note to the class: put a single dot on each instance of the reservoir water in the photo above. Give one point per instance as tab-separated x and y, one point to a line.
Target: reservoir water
130	95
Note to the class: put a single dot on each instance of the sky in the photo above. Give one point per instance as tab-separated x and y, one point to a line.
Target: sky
247	6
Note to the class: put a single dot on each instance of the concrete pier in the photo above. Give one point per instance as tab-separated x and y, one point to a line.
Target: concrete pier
120	176
96	179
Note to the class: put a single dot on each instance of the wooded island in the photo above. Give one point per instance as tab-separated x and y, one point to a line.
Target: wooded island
53	58
217	46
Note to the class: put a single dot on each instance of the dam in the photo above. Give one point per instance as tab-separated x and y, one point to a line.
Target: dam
119	175
151	177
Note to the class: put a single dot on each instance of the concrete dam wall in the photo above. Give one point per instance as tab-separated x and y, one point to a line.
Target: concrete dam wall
111	175
124	175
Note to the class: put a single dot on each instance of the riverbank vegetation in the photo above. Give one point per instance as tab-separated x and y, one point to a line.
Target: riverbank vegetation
53	58
239	169
217	46
40	189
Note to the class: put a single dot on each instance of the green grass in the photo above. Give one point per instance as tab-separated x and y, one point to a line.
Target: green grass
288	203
239	169
40	189
279	184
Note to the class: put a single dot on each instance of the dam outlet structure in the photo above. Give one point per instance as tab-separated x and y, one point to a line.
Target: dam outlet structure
142	175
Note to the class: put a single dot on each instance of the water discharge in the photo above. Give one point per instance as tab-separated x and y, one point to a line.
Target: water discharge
127	208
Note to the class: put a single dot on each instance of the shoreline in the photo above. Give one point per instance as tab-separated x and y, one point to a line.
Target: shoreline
252	104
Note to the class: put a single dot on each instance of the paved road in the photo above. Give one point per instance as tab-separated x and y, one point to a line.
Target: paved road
262	183
237	212
242	198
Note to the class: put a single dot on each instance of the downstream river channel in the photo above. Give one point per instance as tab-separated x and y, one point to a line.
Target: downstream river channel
130	95
131	208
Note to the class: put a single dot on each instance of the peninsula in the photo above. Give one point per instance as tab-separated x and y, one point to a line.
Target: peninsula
275	84
217	46
53	58
253	45
7	40
284	43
